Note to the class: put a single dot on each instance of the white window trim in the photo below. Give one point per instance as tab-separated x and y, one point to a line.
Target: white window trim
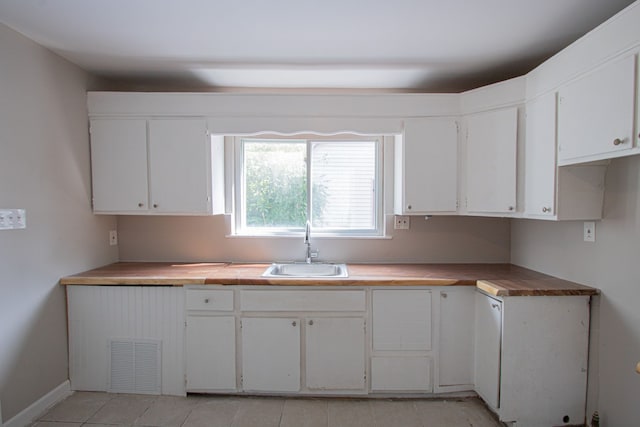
238	185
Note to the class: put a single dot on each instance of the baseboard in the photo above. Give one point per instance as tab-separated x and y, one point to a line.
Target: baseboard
37	408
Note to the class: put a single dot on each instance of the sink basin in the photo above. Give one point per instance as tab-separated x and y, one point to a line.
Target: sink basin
306	270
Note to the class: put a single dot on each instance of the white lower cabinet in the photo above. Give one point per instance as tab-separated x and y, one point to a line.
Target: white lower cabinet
270	354
455	339
402	356
531	358
303	340
211	353
210	340
488	315
335	353
103	318
525	356
401	320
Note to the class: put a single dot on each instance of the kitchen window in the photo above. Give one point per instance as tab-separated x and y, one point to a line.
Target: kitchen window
332	182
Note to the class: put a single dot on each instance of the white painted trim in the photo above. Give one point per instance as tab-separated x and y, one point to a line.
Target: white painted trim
507	93
37	408
230	105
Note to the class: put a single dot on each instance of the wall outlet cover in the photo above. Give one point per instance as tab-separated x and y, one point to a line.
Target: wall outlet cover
401	222
113	237
589	231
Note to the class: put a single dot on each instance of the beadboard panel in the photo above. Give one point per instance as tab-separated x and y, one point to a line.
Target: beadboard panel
100	313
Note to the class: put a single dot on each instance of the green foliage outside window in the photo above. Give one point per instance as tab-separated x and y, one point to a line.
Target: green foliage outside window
276	184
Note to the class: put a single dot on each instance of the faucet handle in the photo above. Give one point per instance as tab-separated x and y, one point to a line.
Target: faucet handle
314	254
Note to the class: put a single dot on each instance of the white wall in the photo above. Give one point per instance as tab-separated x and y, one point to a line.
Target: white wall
611	264
44	168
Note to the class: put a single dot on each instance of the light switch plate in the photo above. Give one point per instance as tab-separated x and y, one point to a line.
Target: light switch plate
589	231
11	219
113	237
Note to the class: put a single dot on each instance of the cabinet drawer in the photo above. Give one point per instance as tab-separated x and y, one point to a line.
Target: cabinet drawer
401	374
274	300
209	299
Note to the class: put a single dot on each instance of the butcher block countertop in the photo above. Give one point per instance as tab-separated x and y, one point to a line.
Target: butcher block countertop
494	279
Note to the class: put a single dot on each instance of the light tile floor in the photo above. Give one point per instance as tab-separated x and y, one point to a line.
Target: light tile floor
103	409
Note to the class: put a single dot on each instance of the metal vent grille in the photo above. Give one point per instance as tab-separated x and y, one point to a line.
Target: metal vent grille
134	366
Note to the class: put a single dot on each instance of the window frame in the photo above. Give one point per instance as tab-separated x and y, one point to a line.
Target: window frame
238	185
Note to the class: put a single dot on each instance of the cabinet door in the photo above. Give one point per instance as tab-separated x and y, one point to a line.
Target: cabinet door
456	338
540	156
488	348
271	354
119	165
401	320
544	359
491	161
179	160
211	353
426	167
335	353
595	113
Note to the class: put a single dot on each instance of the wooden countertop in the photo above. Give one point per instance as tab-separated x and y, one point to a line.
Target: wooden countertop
494	279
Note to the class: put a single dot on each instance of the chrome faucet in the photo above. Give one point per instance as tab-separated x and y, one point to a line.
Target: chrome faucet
307	241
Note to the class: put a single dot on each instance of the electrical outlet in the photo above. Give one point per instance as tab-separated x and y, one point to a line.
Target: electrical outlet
589	231
401	222
113	237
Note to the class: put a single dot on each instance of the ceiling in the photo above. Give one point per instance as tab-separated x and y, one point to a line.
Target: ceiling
400	45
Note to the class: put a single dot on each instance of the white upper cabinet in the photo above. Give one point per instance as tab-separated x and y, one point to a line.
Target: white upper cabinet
119	165
540	156
567	192
426	167
596	114
160	166
179	162
491	161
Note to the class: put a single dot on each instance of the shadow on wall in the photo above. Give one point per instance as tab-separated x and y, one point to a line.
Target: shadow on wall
201	239
26	327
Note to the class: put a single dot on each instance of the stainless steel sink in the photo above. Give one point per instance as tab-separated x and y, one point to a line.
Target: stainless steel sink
315	269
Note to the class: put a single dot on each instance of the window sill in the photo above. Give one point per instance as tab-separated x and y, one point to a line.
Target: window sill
301	236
